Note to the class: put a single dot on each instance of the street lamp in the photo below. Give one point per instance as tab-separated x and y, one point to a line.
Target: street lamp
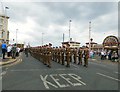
16	36
42	38
69	29
89	35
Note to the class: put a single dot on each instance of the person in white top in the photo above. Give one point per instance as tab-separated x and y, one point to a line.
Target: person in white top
102	55
9	48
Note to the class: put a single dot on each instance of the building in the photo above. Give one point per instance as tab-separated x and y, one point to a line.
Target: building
71	44
111	43
92	44
4	33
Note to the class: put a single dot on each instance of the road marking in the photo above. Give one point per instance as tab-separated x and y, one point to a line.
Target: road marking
45	82
0	77
108	76
60	69
14	63
3	73
117	72
53	76
71	79
98	64
74	65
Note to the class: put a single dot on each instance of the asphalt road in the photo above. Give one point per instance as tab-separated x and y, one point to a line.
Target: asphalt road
30	74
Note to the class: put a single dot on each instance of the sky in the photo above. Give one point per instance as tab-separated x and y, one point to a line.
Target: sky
49	20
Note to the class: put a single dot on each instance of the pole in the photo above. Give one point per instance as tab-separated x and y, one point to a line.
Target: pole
89	35
69	28
16	36
42	39
63	37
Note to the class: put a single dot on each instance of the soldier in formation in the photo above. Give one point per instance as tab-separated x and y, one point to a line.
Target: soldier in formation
47	54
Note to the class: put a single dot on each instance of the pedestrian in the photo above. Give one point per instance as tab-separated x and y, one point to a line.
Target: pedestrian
102	55
9	49
17	51
4	49
14	51
26	51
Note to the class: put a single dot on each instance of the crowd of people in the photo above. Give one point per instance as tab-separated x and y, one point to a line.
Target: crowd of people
105	54
110	55
10	50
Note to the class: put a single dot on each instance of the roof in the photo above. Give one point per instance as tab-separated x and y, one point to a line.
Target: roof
70	42
91	43
4	16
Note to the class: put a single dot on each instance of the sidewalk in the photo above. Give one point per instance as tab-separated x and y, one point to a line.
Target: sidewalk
7	60
98	59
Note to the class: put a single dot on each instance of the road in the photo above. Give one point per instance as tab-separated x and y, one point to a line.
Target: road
30	74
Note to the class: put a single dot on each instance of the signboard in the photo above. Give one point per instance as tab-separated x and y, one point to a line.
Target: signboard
111	42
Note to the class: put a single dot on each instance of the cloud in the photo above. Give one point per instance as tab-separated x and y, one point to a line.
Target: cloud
32	19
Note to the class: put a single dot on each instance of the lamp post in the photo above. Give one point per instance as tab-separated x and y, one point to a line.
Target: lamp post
89	35
69	29
16	36
42	38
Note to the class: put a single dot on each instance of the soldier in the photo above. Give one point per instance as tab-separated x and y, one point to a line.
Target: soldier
49	55
62	55
86	56
71	54
80	56
44	55
75	55
59	54
68	56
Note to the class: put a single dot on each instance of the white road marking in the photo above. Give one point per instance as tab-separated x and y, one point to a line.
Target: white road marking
0	77
98	64
117	72
53	76
76	77
74	65
71	79
3	73
108	76
23	70
46	82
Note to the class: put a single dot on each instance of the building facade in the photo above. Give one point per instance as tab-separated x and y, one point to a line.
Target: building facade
4	33
71	44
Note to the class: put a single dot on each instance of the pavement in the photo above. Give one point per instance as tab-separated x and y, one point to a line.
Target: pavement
7	60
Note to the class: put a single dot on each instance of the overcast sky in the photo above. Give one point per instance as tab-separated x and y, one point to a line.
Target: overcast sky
52	18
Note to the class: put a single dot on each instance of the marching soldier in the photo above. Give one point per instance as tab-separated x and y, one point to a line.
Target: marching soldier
49	55
68	56
75	55
62	55
59	54
86	53
80	56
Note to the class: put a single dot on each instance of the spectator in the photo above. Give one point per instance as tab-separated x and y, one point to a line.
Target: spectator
14	51
4	49
9	49
17	51
102	55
